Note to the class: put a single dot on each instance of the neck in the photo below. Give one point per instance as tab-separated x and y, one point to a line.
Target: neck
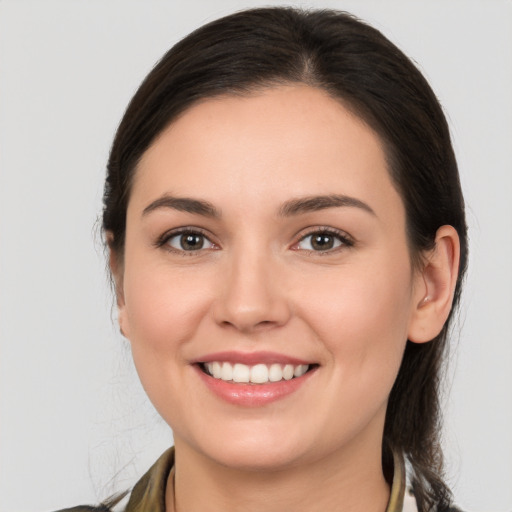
352	481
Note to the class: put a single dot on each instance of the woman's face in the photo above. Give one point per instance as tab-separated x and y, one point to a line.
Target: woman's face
264	234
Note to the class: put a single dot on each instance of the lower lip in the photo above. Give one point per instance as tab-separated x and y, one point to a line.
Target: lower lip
252	395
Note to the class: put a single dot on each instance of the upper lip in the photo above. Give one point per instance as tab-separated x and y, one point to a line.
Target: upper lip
250	358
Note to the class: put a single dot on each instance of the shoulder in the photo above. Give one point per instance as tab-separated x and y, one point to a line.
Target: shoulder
147	494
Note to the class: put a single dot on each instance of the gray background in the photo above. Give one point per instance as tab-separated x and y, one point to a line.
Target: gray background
75	424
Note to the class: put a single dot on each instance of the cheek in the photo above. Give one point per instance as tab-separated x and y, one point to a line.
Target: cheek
163	310
362	314
163	307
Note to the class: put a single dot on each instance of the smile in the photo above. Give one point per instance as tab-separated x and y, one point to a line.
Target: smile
253	379
259	373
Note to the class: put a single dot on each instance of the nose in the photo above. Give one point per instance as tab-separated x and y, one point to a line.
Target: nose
252	297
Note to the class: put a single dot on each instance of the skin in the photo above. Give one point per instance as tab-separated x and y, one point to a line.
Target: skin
257	285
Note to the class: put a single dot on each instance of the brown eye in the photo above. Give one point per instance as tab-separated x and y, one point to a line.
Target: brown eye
189	241
322	241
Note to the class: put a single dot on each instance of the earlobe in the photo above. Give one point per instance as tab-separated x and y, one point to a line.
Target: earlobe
434	295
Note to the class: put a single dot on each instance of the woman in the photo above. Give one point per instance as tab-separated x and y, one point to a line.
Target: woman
287	241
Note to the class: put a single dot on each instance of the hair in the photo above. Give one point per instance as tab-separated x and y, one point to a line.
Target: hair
355	64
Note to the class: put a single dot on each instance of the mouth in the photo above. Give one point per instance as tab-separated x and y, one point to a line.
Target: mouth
259	373
254	379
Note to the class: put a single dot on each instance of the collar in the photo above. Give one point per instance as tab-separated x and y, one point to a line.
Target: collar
149	492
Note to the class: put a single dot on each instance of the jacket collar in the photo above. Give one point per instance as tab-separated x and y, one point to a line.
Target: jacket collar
149	492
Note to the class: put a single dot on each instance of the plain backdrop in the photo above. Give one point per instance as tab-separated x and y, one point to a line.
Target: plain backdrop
74	423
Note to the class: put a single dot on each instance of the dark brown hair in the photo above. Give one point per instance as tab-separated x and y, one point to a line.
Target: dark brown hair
358	66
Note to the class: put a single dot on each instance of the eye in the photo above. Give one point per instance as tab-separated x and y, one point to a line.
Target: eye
188	241
322	241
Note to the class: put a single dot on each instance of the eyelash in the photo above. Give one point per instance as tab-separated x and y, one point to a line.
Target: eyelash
163	240
345	240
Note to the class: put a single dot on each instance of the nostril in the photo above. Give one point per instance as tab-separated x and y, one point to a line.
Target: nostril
249	300
248	326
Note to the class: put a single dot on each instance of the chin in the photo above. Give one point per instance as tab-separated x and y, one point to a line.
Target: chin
252	452
257	458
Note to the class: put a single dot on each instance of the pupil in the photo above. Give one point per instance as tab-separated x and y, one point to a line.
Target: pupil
322	242
191	242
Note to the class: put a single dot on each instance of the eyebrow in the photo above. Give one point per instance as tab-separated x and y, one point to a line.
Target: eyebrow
316	203
288	209
183	204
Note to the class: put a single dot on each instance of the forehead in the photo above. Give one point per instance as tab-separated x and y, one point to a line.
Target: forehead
294	140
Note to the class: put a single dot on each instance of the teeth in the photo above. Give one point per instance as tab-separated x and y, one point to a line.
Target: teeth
300	370
226	372
288	372
241	373
257	374
216	370
275	373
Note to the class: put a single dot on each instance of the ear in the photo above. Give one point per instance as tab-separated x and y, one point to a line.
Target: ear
435	287
117	272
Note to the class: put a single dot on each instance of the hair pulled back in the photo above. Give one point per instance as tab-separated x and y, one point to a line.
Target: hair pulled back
357	65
